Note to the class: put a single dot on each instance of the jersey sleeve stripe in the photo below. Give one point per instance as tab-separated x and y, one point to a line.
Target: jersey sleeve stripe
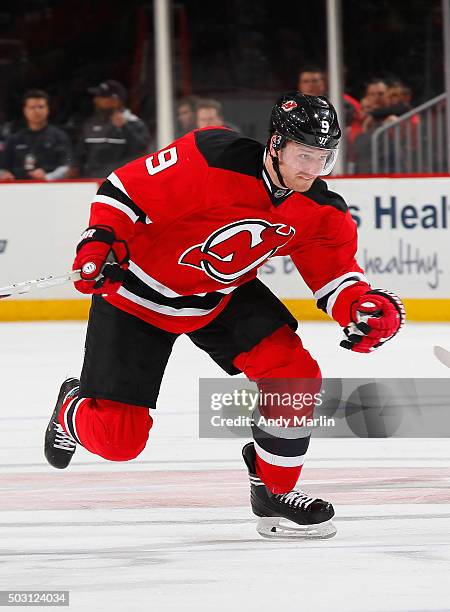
332	285
115	180
115	204
119	199
331	299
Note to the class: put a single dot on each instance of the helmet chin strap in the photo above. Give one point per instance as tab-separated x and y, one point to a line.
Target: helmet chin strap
276	162
276	167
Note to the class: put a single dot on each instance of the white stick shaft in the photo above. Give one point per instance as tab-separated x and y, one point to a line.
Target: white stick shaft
39	283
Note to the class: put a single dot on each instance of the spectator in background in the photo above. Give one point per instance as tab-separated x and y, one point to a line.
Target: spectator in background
313	82
366	108
397	102
187	114
376	93
399	93
375	112
210	113
112	136
40	151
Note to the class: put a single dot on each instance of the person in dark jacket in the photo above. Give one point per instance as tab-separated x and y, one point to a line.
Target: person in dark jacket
39	151
113	135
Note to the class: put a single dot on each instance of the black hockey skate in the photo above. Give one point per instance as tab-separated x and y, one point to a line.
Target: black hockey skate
59	447
286	515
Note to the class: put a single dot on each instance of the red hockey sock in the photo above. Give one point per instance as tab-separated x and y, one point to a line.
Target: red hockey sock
281	367
115	431
279	479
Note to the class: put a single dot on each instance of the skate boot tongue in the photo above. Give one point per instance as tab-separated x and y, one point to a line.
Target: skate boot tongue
295	499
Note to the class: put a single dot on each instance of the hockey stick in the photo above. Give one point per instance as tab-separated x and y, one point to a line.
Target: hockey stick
443	355
39	283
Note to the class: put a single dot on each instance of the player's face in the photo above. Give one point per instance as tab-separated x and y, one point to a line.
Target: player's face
36	110
300	165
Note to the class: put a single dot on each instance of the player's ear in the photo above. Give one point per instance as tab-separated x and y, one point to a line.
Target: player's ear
274	144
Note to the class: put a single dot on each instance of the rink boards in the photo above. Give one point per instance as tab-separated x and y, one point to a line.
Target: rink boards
403	226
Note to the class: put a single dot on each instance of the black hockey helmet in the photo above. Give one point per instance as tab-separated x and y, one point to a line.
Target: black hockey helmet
309	120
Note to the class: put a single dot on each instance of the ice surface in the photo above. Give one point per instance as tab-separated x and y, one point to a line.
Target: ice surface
172	530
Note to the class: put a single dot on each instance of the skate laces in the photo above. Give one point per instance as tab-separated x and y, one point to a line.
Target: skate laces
295	499
62	439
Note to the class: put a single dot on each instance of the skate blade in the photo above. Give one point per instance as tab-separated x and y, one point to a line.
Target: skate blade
277	528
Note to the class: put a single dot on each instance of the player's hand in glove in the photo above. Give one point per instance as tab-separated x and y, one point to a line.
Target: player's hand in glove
101	259
375	318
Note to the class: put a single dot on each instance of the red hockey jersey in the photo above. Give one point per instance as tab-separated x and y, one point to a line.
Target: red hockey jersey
202	215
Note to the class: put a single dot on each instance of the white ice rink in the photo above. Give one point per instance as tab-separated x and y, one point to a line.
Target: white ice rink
173	530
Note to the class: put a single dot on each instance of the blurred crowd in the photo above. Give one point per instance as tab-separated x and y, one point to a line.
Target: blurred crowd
382	103
35	149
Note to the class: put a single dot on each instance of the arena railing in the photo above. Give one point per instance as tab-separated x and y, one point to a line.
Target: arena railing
415	142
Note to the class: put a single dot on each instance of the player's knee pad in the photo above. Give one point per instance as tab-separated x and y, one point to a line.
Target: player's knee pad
288	377
115	431
280	355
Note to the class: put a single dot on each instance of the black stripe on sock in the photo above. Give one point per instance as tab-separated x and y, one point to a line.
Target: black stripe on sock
283	447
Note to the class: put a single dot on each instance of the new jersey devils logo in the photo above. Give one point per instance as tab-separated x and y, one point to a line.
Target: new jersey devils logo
234	249
289	105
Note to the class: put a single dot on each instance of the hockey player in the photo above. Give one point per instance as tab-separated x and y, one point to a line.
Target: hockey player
173	246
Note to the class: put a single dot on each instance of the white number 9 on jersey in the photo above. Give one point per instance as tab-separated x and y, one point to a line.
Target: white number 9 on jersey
325	126
166	158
